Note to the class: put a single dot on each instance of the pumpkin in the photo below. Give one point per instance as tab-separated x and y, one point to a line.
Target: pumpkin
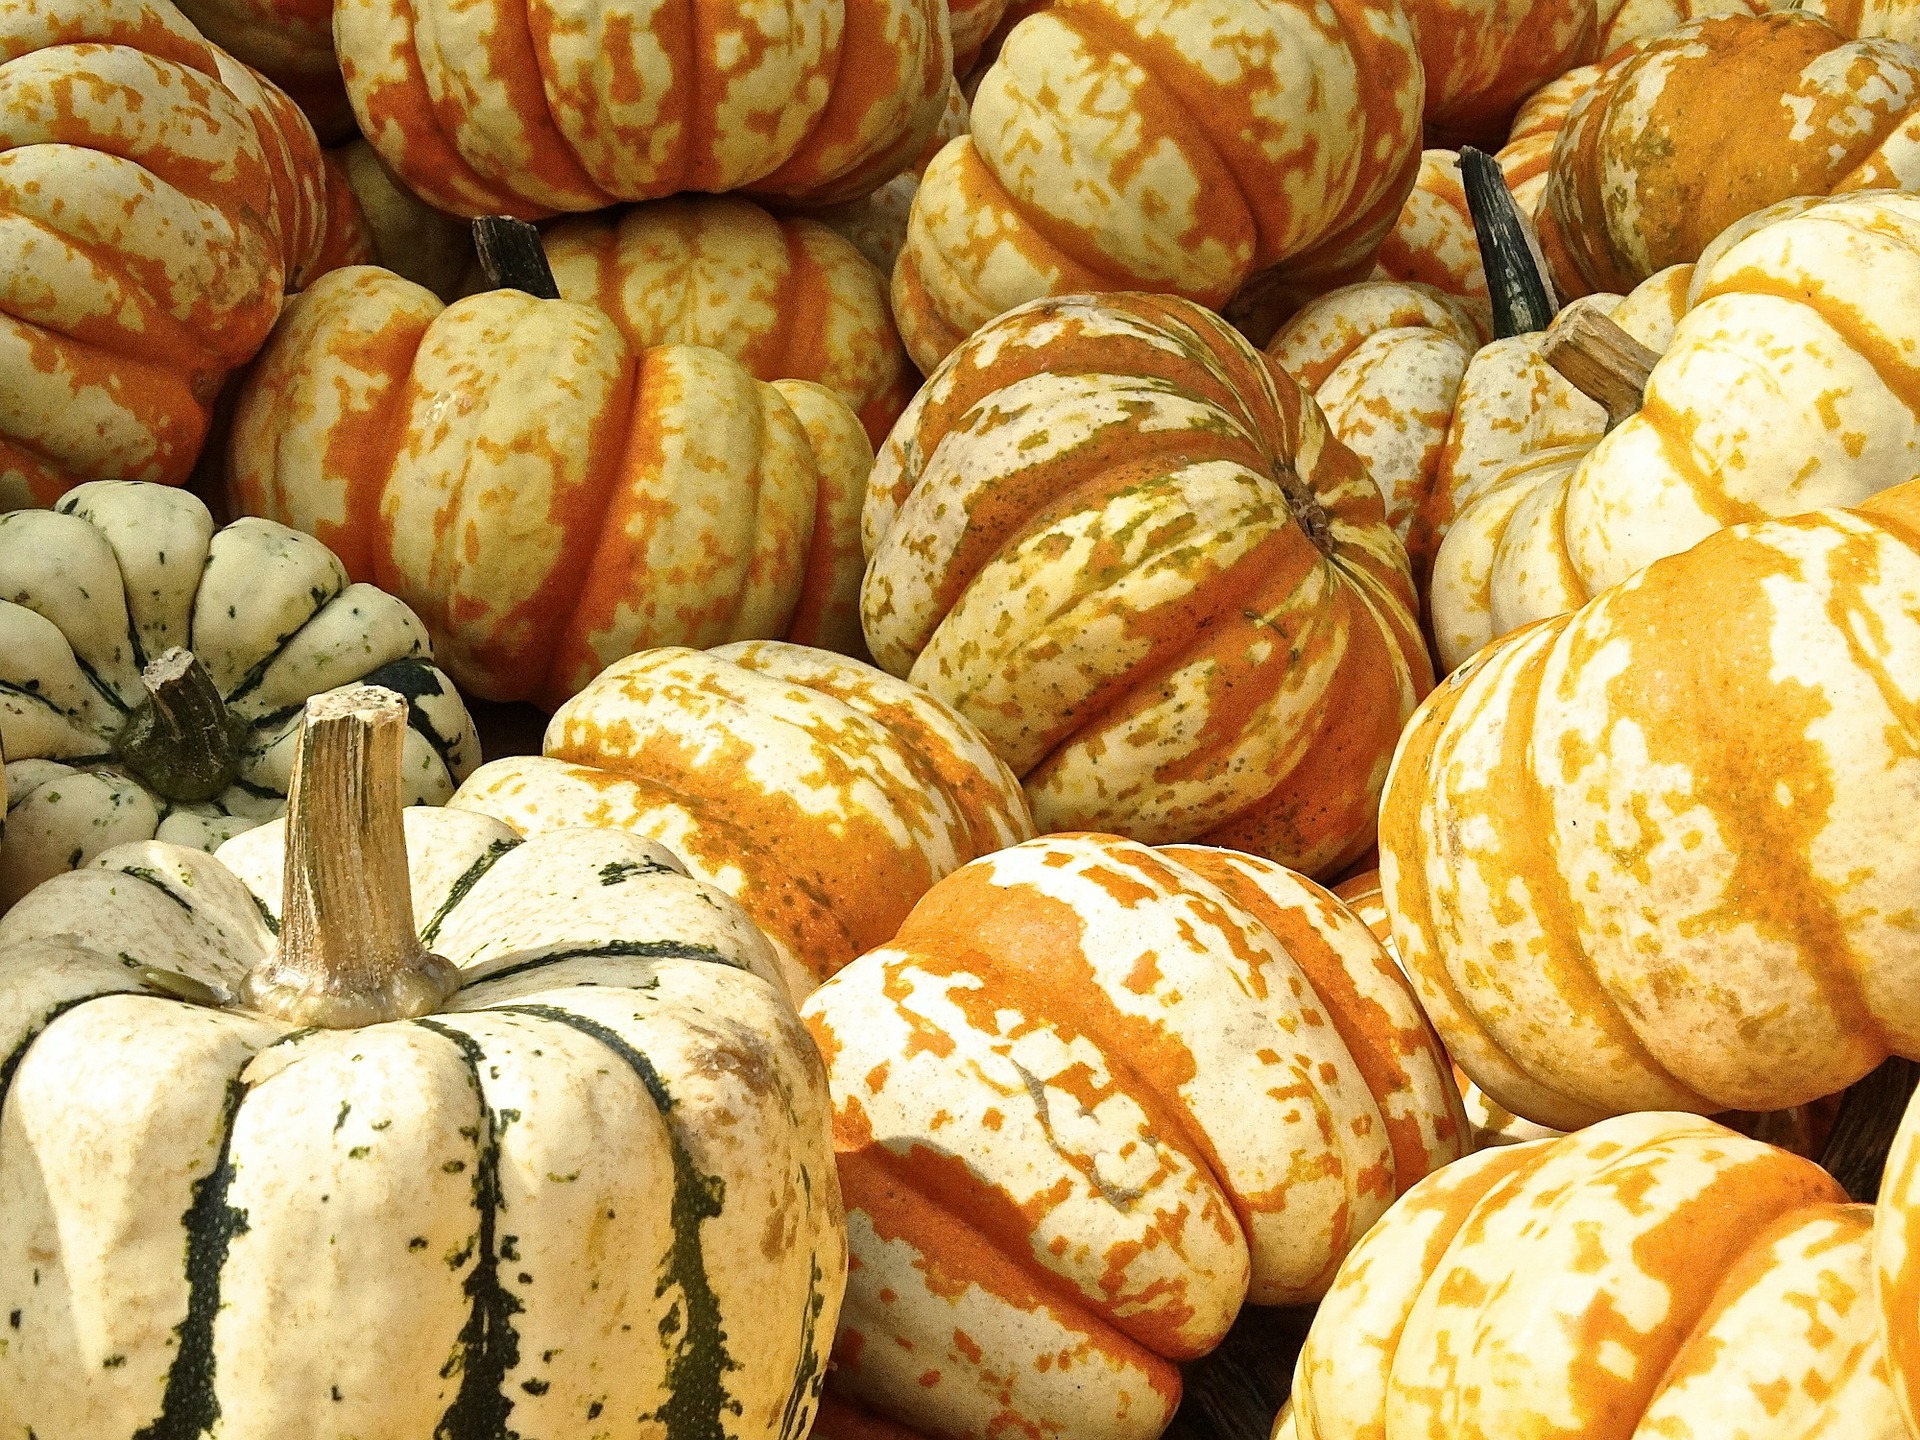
1712	121
1896	1256
787	298
532	1123
1483	57
1182	148
822	794
291	43
877	223
1090	1098
1653	1275
152	671
483	109
1121	542
157	199
396	230
1527	156
1649	854
547	498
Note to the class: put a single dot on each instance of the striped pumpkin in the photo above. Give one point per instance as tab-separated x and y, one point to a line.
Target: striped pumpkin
569	107
567	1173
1653	854
1177	148
545	497
877	223
156	200
788	298
822	794
1656	1275
1123	543
99	591
1090	1099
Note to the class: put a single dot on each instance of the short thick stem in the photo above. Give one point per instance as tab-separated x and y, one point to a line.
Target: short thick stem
180	739
1870	1114
349	954
1600	360
1517	283
513	258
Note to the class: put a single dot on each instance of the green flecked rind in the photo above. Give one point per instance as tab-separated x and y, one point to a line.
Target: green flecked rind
610	949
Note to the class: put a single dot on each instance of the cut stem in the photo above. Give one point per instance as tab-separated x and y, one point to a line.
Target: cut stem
180	739
1308	512
349	954
1517	284
1870	1114
1599	359
513	258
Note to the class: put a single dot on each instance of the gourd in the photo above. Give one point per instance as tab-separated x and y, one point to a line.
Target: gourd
1090	1098
152	671
1123	544
547	498
402	233
457	1135
291	43
823	795
877	223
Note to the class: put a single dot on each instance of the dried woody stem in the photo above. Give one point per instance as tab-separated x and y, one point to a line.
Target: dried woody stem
349	952
1599	359
180	739
513	258
1517	283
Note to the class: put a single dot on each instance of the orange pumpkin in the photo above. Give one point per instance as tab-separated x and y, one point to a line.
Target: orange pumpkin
788	298
291	43
1090	1098
158	198
486	108
1123	543
824	796
546	498
877	223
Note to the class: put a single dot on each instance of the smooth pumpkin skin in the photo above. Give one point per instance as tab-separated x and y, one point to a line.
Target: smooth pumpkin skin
574	105
1617	889
1712	121
1090	1098
823	795
1179	148
545	497
156	200
788	298
600	1176
1655	1277
1079	536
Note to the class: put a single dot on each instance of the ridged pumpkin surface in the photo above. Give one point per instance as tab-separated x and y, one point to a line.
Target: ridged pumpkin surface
572	105
822	794
1123	543
1896	1254
787	298
547	498
1128	145
1656	1277
1087	1101
156	200
1658	853
598	1182
877	223
291	43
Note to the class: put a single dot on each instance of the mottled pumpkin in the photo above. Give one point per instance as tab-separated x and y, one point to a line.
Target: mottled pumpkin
566	106
547	498
877	223
1483	57
1655	1275
291	43
1713	120
822	794
1183	148
1124	544
788	298
156	200
1658	853
397	230
1896	1254
1091	1098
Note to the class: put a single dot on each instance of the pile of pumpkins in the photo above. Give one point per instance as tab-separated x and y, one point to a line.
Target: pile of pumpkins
1187	657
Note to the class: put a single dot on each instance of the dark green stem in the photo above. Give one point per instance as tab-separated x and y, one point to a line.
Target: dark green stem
1516	282
180	740
511	254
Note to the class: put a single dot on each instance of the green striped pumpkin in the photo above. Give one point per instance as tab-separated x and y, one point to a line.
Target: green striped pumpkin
591	1194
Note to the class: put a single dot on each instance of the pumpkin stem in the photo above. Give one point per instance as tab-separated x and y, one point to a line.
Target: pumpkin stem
349	953
1308	512
1599	359
1870	1113
1523	299
512	256
180	739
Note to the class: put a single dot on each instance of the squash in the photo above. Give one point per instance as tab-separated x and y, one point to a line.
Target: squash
399	232
1088	1100
487	109
1649	854
156	200
1184	148
291	43
877	223
152	671
823	795
1123	544
459	1135
787	298
1896	1259
1483	57
545	497
1653	1275
1712	121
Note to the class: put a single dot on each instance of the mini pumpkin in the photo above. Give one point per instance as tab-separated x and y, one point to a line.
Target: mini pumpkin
877	223
459	1135
152	671
291	43
1088	1100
